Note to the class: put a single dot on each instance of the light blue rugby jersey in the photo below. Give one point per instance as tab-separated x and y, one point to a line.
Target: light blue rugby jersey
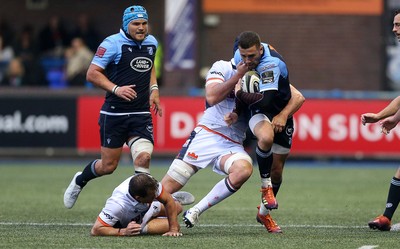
127	62
274	76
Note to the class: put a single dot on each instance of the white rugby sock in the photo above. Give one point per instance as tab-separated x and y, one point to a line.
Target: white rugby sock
222	190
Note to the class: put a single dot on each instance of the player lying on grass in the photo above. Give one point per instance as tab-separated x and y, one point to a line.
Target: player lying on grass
140	205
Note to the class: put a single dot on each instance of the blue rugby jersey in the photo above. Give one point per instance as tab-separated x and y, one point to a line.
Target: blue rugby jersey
127	62
274	76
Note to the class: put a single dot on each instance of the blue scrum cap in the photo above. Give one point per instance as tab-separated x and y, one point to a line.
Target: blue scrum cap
133	13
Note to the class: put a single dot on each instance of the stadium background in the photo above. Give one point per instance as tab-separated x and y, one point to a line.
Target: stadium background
339	54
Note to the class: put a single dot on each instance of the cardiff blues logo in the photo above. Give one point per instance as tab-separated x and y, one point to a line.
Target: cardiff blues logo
150	50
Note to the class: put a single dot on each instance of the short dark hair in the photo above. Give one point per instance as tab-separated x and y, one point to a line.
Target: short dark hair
141	184
248	39
396	12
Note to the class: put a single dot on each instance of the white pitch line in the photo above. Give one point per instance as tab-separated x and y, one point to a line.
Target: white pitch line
368	247
200	225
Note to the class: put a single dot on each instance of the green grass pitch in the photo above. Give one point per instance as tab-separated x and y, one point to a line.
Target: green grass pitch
319	207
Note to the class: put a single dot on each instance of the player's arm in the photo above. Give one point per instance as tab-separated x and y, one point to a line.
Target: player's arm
154	93
96	75
100	228
257	100
296	101
388	111
171	210
216	92
390	122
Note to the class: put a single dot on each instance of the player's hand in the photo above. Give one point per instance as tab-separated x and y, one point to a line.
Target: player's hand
369	118
155	102
387	125
126	92
241	69
231	118
279	122
132	229
173	234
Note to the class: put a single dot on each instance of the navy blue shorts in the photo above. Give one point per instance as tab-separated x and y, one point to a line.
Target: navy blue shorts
116	130
284	138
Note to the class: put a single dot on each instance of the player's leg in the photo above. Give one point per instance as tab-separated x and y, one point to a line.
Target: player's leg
196	153
140	141
277	171
177	175
280	150
110	154
155	220
261	127
239	168
141	150
94	169
383	222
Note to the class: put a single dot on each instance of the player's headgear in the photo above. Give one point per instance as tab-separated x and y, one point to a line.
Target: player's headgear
133	13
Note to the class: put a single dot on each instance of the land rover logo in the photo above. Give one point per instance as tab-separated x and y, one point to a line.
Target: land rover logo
141	64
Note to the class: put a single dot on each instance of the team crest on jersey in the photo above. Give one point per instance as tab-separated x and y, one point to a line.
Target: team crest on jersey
267	77
141	64
150	50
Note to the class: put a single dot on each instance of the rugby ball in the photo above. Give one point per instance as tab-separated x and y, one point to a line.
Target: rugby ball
250	82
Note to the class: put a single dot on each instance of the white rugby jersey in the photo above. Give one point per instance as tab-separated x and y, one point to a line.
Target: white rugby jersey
213	117
122	208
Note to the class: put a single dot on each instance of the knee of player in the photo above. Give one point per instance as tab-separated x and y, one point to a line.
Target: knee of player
143	159
107	167
245	168
239	164
141	150
265	140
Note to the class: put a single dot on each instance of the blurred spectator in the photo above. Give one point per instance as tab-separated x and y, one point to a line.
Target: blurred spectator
6	31
26	48
25	45
6	55
78	58
87	31
53	38
15	73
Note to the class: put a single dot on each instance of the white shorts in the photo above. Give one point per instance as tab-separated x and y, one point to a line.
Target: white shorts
205	147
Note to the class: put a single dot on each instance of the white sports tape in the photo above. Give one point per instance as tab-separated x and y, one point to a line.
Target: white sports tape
257	119
140	145
238	156
180	171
